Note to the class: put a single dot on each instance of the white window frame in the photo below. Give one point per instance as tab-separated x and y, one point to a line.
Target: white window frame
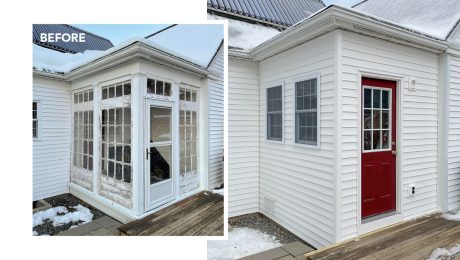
318	109
390	120
274	84
39	119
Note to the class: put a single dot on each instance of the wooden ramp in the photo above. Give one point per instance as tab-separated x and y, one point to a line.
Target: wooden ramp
414	239
198	215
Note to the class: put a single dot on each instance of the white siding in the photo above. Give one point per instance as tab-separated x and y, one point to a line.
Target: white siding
453	168
51	153
216	121
296	181
419	111
243	138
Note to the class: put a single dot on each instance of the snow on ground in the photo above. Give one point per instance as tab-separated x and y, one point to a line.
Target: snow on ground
443	253
455	216
80	214
245	35
241	242
218	191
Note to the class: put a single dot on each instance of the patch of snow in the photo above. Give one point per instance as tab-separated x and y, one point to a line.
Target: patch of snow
435	18
241	242
218	191
444	253
246	36
81	214
455	216
34	233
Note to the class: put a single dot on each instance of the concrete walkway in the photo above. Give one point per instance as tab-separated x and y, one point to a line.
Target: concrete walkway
104	226
291	251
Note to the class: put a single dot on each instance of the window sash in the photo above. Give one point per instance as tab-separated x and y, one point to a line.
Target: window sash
307	133
34	119
275	112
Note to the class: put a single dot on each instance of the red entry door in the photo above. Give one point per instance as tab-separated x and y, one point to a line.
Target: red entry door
378	164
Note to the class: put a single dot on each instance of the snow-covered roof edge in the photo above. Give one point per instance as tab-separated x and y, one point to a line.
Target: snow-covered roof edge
215	53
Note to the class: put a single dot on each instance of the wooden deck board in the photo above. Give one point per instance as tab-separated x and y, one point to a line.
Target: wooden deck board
189	217
409	240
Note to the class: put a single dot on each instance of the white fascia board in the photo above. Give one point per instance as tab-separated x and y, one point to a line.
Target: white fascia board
239	54
137	50
49	75
336	17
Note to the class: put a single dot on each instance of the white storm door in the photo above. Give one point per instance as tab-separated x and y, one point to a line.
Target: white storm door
159	153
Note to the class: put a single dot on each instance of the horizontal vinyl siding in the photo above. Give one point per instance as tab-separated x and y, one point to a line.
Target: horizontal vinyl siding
216	121
300	179
453	155
51	153
419	136
243	138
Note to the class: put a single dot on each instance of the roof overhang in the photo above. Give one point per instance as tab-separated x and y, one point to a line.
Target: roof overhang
336	17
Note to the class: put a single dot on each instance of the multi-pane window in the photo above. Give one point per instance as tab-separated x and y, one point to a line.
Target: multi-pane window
306	112
188	131
275	113
158	87
83	140
83	96
116	90
34	119
376	119
116	143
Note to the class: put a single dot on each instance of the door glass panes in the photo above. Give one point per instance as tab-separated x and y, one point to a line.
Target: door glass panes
158	87
188	131
160	124
376	119
160	163
83	139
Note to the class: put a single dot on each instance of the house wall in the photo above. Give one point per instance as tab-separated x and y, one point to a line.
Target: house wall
243	137
418	130
216	121
51	157
453	148
297	182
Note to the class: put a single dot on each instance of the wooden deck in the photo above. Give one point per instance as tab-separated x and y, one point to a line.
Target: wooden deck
198	215
409	240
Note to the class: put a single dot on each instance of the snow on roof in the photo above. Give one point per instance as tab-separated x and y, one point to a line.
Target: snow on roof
197	53
245	36
435	18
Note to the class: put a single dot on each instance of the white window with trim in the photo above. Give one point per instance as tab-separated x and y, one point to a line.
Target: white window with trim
307	112
275	113
35	122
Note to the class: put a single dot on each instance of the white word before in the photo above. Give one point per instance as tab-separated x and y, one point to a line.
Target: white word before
65	37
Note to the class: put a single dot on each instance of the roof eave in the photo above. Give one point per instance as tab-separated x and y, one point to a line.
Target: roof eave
336	17
137	50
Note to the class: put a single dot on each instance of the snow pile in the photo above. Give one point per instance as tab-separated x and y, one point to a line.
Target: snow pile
435	18
443	253
246	36
218	191
241	242
452	216
81	214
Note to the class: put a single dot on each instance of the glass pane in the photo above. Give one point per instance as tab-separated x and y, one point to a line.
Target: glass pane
119	90
367	119
75	99
385	139
367	140
385	119
127	116
104	167
119	153
85	161
182	94
119	116
160	163
90	147
111	134
376	139
80	97
167	89
104	150
90	163
104	133
111	92
104	117
385	98
159	89
127	154
367	98
118	171
111	120
376	98
111	169
111	154
127	173
127	135
193	96
85	97
160	124
127	88
187	95
90	97
104	93
376	119
151	86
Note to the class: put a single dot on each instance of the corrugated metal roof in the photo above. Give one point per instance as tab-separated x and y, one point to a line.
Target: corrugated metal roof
277	12
92	41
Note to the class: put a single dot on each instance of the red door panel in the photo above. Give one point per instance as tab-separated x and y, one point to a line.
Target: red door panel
378	162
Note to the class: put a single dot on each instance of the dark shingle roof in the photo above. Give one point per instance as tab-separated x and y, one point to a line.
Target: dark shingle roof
278	12
92	41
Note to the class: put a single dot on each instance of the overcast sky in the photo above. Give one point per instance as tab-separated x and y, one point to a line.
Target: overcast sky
346	3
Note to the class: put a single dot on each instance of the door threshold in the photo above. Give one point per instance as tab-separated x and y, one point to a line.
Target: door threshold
379	221
379	216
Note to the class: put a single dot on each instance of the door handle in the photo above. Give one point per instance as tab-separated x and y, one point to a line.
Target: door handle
393	152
